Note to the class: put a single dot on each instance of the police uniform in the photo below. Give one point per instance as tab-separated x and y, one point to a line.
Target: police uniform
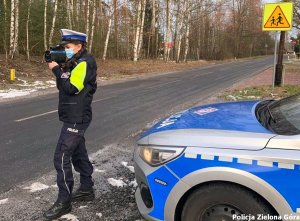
76	84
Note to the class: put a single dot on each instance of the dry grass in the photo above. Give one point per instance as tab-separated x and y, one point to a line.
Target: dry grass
261	92
118	69
36	68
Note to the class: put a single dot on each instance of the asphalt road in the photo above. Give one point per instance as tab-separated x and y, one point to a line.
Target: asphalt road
30	127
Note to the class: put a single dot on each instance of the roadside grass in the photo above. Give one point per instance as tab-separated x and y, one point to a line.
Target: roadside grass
293	67
261	92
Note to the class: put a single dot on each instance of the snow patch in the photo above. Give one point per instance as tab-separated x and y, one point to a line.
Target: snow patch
125	164
133	184
15	93
232	97
3	201
51	83
36	187
99	215
30	87
117	183
82	207
70	217
99	171
252	97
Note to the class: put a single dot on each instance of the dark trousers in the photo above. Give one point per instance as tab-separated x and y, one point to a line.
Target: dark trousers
71	149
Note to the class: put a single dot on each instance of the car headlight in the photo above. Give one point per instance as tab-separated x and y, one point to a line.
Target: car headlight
155	155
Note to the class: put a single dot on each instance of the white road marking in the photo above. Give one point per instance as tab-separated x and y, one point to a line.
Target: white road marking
51	112
35	116
94	101
102	99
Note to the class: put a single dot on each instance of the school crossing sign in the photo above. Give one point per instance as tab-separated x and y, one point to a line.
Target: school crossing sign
278	17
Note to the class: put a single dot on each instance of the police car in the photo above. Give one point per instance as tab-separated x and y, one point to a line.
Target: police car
224	161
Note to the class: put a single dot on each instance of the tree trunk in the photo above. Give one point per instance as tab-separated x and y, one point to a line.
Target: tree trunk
45	25
27	31
156	31
87	29
72	13
127	30
181	12
5	32
107	35
137	33
100	26
16	44
53	22
93	26
153	23
168	32
12	30
77	13
116	24
69	11
187	35
142	28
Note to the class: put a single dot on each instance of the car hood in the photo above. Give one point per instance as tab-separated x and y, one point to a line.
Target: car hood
225	125
233	116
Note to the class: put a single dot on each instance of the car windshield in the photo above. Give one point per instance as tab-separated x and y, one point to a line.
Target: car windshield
281	116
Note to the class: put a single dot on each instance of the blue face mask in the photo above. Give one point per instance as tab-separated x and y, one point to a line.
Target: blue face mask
69	53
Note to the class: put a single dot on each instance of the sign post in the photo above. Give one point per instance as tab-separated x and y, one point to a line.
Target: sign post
278	17
275	56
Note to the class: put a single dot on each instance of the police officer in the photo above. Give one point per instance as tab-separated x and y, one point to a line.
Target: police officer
76	82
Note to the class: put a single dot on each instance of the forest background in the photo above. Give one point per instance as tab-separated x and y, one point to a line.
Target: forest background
169	30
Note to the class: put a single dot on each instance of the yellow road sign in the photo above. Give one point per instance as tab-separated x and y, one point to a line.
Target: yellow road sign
278	16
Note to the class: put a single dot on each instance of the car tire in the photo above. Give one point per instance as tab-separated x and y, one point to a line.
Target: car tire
223	202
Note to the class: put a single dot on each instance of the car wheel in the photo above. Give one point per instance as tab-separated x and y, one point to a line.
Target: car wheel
223	202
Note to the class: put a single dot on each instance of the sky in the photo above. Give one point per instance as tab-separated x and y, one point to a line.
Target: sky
269	1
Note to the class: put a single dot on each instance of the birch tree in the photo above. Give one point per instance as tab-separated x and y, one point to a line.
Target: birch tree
87	30
141	34
5	34
127	28
77	12
27	30
152	37
69	13
93	26
181	12
45	25
137	32
72	12
17	18
168	31
53	22
116	24
108	32
12	29
203	29
187	34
